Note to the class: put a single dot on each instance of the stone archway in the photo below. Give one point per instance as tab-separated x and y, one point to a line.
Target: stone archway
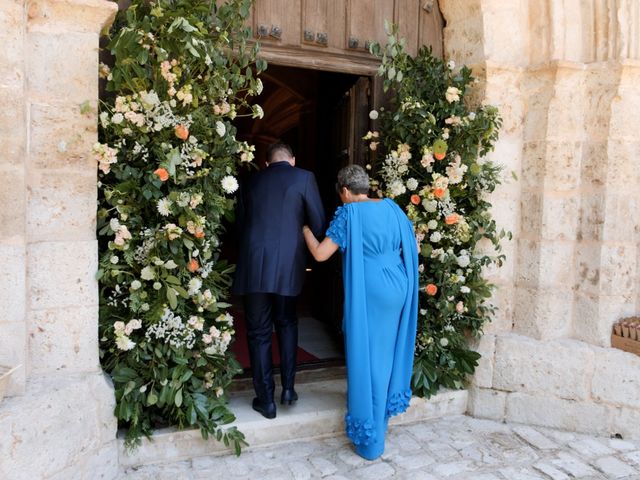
59	419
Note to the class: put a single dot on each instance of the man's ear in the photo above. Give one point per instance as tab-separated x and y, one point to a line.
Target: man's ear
292	161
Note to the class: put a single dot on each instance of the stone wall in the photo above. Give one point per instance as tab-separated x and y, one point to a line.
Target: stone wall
57	421
563	75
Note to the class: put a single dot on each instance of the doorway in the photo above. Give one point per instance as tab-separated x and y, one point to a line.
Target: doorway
323	117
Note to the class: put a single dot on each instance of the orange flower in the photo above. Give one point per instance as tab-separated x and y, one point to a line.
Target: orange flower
193	265
162	174
182	132
415	199
439	156
431	289
452	219
199	234
439	192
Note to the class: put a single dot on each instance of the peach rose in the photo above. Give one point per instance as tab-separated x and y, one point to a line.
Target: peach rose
439	192
415	199
439	156
193	265
162	174
452	219
182	132
431	289
199	234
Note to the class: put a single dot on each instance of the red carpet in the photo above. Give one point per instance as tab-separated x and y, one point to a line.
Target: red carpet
241	350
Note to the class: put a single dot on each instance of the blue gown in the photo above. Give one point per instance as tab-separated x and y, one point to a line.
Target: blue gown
380	260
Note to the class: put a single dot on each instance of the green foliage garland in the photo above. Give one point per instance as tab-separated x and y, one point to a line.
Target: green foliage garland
167	157
434	145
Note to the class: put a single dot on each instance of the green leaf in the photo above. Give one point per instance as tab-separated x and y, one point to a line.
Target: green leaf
152	398
171	296
178	399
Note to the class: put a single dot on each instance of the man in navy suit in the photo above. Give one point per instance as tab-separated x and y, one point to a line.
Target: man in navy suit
273	206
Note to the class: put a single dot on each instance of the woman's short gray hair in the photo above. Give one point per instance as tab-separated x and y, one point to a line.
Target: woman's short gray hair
354	178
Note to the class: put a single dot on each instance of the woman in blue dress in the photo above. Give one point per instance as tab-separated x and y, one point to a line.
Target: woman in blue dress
380	271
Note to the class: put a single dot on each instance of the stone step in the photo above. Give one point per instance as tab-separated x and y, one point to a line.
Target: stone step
319	412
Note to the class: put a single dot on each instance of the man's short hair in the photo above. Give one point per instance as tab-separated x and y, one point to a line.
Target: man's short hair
276	148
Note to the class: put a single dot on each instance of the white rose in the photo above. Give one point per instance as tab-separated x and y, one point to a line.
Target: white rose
451	64
114	259
157	285
148	273
124	343
373	114
412	184
135	285
464	260
465	289
117	118
444	341
435	237
432	224
430	205
118	327
452	94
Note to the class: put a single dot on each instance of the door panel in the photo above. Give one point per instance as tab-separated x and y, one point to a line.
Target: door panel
407	17
323	23
277	21
365	20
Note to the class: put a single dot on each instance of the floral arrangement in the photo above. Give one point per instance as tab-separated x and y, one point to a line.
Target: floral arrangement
167	159
433	164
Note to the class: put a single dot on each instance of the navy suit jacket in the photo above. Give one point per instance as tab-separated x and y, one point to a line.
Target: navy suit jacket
272	208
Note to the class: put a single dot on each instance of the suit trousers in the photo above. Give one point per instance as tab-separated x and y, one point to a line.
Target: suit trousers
262	312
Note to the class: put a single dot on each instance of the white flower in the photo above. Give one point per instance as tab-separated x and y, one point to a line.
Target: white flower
118	327
164	207
144	307
157	285
430	205
124	343
373	114
135	285
460	307
114	259
451	64
435	237
219	391
432	224
444	341
397	188
421	268
464	289
259	87
453	120
194	286
472	116
148	273
220	128
117	118
257	112
229	184
464	261
412	184
452	94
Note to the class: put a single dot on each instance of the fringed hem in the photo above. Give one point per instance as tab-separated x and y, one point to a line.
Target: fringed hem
361	432
398	402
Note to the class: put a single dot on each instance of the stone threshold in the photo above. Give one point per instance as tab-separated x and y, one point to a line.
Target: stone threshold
319	412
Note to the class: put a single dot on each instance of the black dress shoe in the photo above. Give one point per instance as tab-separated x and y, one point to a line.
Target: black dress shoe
289	396
267	410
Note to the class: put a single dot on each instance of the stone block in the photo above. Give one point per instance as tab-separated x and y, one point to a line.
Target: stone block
543	313
64	340
487	403
86	16
58	424
12	218
62	206
502	89
544	263
591	216
549	411
12	283
621	163
561	368
503	299
606	269
562	164
100	464
13	345
625	111
533	164
62	137
594	164
615	377
594	316
505	40
62	274
12	126
485	346
625	421
621	221
531	215
560	213
62	66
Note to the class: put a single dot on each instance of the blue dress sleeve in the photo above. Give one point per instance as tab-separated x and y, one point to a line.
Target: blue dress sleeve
337	230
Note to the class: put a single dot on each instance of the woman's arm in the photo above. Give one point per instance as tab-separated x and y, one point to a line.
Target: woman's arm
320	251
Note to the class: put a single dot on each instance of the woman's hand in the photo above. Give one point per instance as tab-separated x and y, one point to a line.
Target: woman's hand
320	251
